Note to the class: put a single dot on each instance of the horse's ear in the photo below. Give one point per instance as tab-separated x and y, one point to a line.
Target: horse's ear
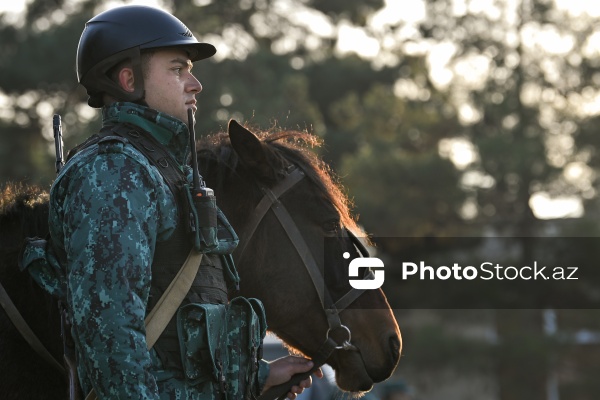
250	149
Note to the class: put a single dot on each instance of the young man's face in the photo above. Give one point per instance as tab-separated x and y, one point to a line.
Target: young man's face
170	86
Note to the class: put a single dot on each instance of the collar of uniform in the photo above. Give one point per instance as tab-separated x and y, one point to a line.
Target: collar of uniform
168	130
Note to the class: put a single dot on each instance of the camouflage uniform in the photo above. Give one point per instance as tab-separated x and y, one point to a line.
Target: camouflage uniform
108	210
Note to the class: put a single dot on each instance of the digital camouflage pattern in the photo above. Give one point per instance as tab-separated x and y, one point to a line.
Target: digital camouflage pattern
108	209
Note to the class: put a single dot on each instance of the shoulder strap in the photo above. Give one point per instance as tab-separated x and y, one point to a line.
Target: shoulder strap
169	302
153	150
146	144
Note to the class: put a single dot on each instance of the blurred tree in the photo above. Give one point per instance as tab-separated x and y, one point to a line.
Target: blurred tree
264	73
357	12
514	72
37	79
268	92
514	69
399	181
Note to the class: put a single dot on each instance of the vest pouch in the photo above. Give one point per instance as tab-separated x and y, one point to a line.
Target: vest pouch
241	348
199	327
223	344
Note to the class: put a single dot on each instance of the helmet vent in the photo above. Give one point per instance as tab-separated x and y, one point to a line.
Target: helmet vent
187	33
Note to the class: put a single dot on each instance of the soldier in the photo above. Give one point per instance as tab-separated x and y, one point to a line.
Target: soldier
117	227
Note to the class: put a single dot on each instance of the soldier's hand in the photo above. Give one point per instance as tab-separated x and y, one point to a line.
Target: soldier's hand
282	370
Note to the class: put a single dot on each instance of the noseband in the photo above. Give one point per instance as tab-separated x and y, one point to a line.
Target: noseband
270	201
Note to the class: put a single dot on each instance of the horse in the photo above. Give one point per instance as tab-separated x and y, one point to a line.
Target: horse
243	168
24	213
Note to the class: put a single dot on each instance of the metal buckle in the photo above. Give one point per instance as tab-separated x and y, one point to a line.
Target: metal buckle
346	345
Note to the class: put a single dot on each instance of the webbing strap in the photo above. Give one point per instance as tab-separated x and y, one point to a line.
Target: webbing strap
169	302
155	152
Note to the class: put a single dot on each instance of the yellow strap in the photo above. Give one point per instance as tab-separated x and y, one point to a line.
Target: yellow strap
169	302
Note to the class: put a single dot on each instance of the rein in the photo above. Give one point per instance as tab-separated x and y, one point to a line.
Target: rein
270	201
25	331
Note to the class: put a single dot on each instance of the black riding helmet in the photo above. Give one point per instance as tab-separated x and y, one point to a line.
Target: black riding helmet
122	33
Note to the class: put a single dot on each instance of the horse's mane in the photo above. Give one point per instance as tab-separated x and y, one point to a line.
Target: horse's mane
23	207
15	196
287	147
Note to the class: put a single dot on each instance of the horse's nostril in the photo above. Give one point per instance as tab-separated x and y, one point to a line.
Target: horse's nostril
395	347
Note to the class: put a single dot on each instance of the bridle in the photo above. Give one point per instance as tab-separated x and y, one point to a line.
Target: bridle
271	201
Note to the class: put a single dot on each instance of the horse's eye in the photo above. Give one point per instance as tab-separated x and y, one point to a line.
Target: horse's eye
331	227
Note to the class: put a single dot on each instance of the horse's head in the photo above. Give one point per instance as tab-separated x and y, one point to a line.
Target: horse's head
295	227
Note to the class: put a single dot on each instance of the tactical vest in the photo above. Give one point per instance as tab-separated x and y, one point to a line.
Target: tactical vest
209	286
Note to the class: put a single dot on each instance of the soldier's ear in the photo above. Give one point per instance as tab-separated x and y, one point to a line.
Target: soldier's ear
126	79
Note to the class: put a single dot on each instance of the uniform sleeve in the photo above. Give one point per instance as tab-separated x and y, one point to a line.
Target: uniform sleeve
263	374
113	212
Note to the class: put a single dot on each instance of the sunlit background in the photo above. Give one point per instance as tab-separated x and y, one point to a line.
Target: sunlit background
443	118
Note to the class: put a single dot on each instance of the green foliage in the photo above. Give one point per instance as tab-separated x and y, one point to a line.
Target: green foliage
355	11
40	59
268	92
402	194
400	183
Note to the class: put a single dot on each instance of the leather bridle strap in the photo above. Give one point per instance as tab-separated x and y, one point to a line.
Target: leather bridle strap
271	197
25	330
347	299
332	309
